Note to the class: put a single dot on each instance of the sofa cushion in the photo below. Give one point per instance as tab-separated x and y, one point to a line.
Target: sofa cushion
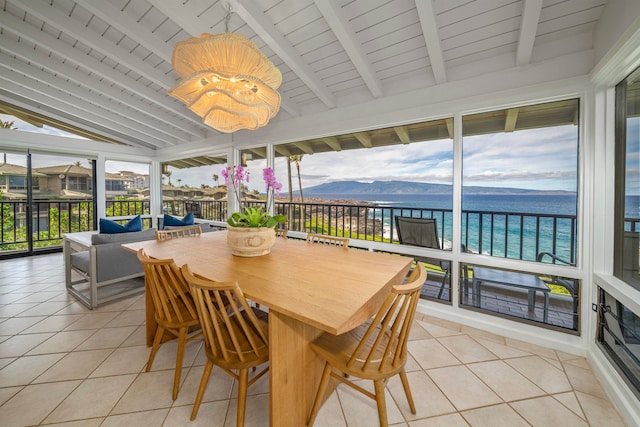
108	226
134	236
172	221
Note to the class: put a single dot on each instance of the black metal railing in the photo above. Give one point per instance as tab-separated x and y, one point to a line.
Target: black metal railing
50	219
514	235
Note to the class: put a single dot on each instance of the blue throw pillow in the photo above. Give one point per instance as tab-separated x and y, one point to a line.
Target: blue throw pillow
173	221
108	226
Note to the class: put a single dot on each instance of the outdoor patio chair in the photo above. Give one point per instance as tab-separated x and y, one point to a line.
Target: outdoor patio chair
235	335
423	232
175	311
570	285
376	350
328	240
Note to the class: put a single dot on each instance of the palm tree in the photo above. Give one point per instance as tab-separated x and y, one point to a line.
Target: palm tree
297	159
289	179
215	178
179	181
168	175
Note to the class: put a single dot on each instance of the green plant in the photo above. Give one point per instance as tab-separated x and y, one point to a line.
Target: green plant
254	217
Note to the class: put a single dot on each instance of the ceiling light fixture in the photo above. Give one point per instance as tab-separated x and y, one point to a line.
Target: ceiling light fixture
226	80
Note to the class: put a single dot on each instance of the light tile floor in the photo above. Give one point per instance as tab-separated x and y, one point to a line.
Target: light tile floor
61	364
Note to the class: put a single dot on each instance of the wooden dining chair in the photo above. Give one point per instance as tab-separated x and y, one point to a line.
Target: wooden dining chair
175	311
328	240
235	335
376	350
178	232
282	232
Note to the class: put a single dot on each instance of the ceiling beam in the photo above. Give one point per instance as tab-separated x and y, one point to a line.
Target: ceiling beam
124	23
333	143
364	138
69	92
163	122
71	27
432	39
40	94
449	123
511	119
67	103
253	15
190	22
403	134
531	10
46	42
334	17
282	150
305	146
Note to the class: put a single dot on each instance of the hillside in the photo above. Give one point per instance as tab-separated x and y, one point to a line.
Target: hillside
407	187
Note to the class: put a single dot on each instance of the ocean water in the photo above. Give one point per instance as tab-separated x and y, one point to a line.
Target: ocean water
523	227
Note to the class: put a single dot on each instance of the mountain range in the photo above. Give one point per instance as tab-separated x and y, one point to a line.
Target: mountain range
408	187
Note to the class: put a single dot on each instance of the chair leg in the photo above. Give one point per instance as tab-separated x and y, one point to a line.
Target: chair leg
378	385
154	347
243	382
206	374
182	338
324	381
444	280
407	390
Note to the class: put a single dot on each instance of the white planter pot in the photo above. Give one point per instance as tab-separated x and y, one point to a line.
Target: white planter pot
250	242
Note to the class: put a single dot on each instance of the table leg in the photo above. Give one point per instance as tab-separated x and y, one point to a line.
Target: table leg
475	292
295	370
546	307
532	300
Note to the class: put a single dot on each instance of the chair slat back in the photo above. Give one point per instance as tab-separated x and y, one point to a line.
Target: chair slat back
328	240
383	346
418	232
178	232
231	330
169	291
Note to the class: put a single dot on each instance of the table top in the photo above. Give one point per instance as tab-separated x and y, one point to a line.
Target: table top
512	278
330	288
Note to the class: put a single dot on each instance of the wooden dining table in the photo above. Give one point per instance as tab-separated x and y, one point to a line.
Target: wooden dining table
309	289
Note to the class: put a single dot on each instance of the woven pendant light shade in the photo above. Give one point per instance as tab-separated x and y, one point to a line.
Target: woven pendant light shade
227	81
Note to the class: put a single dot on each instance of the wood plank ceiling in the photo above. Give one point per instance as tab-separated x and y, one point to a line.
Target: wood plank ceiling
104	67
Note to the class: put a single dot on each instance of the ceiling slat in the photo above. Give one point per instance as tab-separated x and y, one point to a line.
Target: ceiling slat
346	37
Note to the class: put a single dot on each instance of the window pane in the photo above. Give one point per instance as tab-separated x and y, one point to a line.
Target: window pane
520	181
372	185
195	185
628	160
619	336
127	189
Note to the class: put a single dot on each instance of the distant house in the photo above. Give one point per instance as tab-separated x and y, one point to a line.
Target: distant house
75	182
13	181
68	181
134	180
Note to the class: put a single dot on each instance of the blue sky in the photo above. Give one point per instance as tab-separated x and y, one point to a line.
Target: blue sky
544	159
